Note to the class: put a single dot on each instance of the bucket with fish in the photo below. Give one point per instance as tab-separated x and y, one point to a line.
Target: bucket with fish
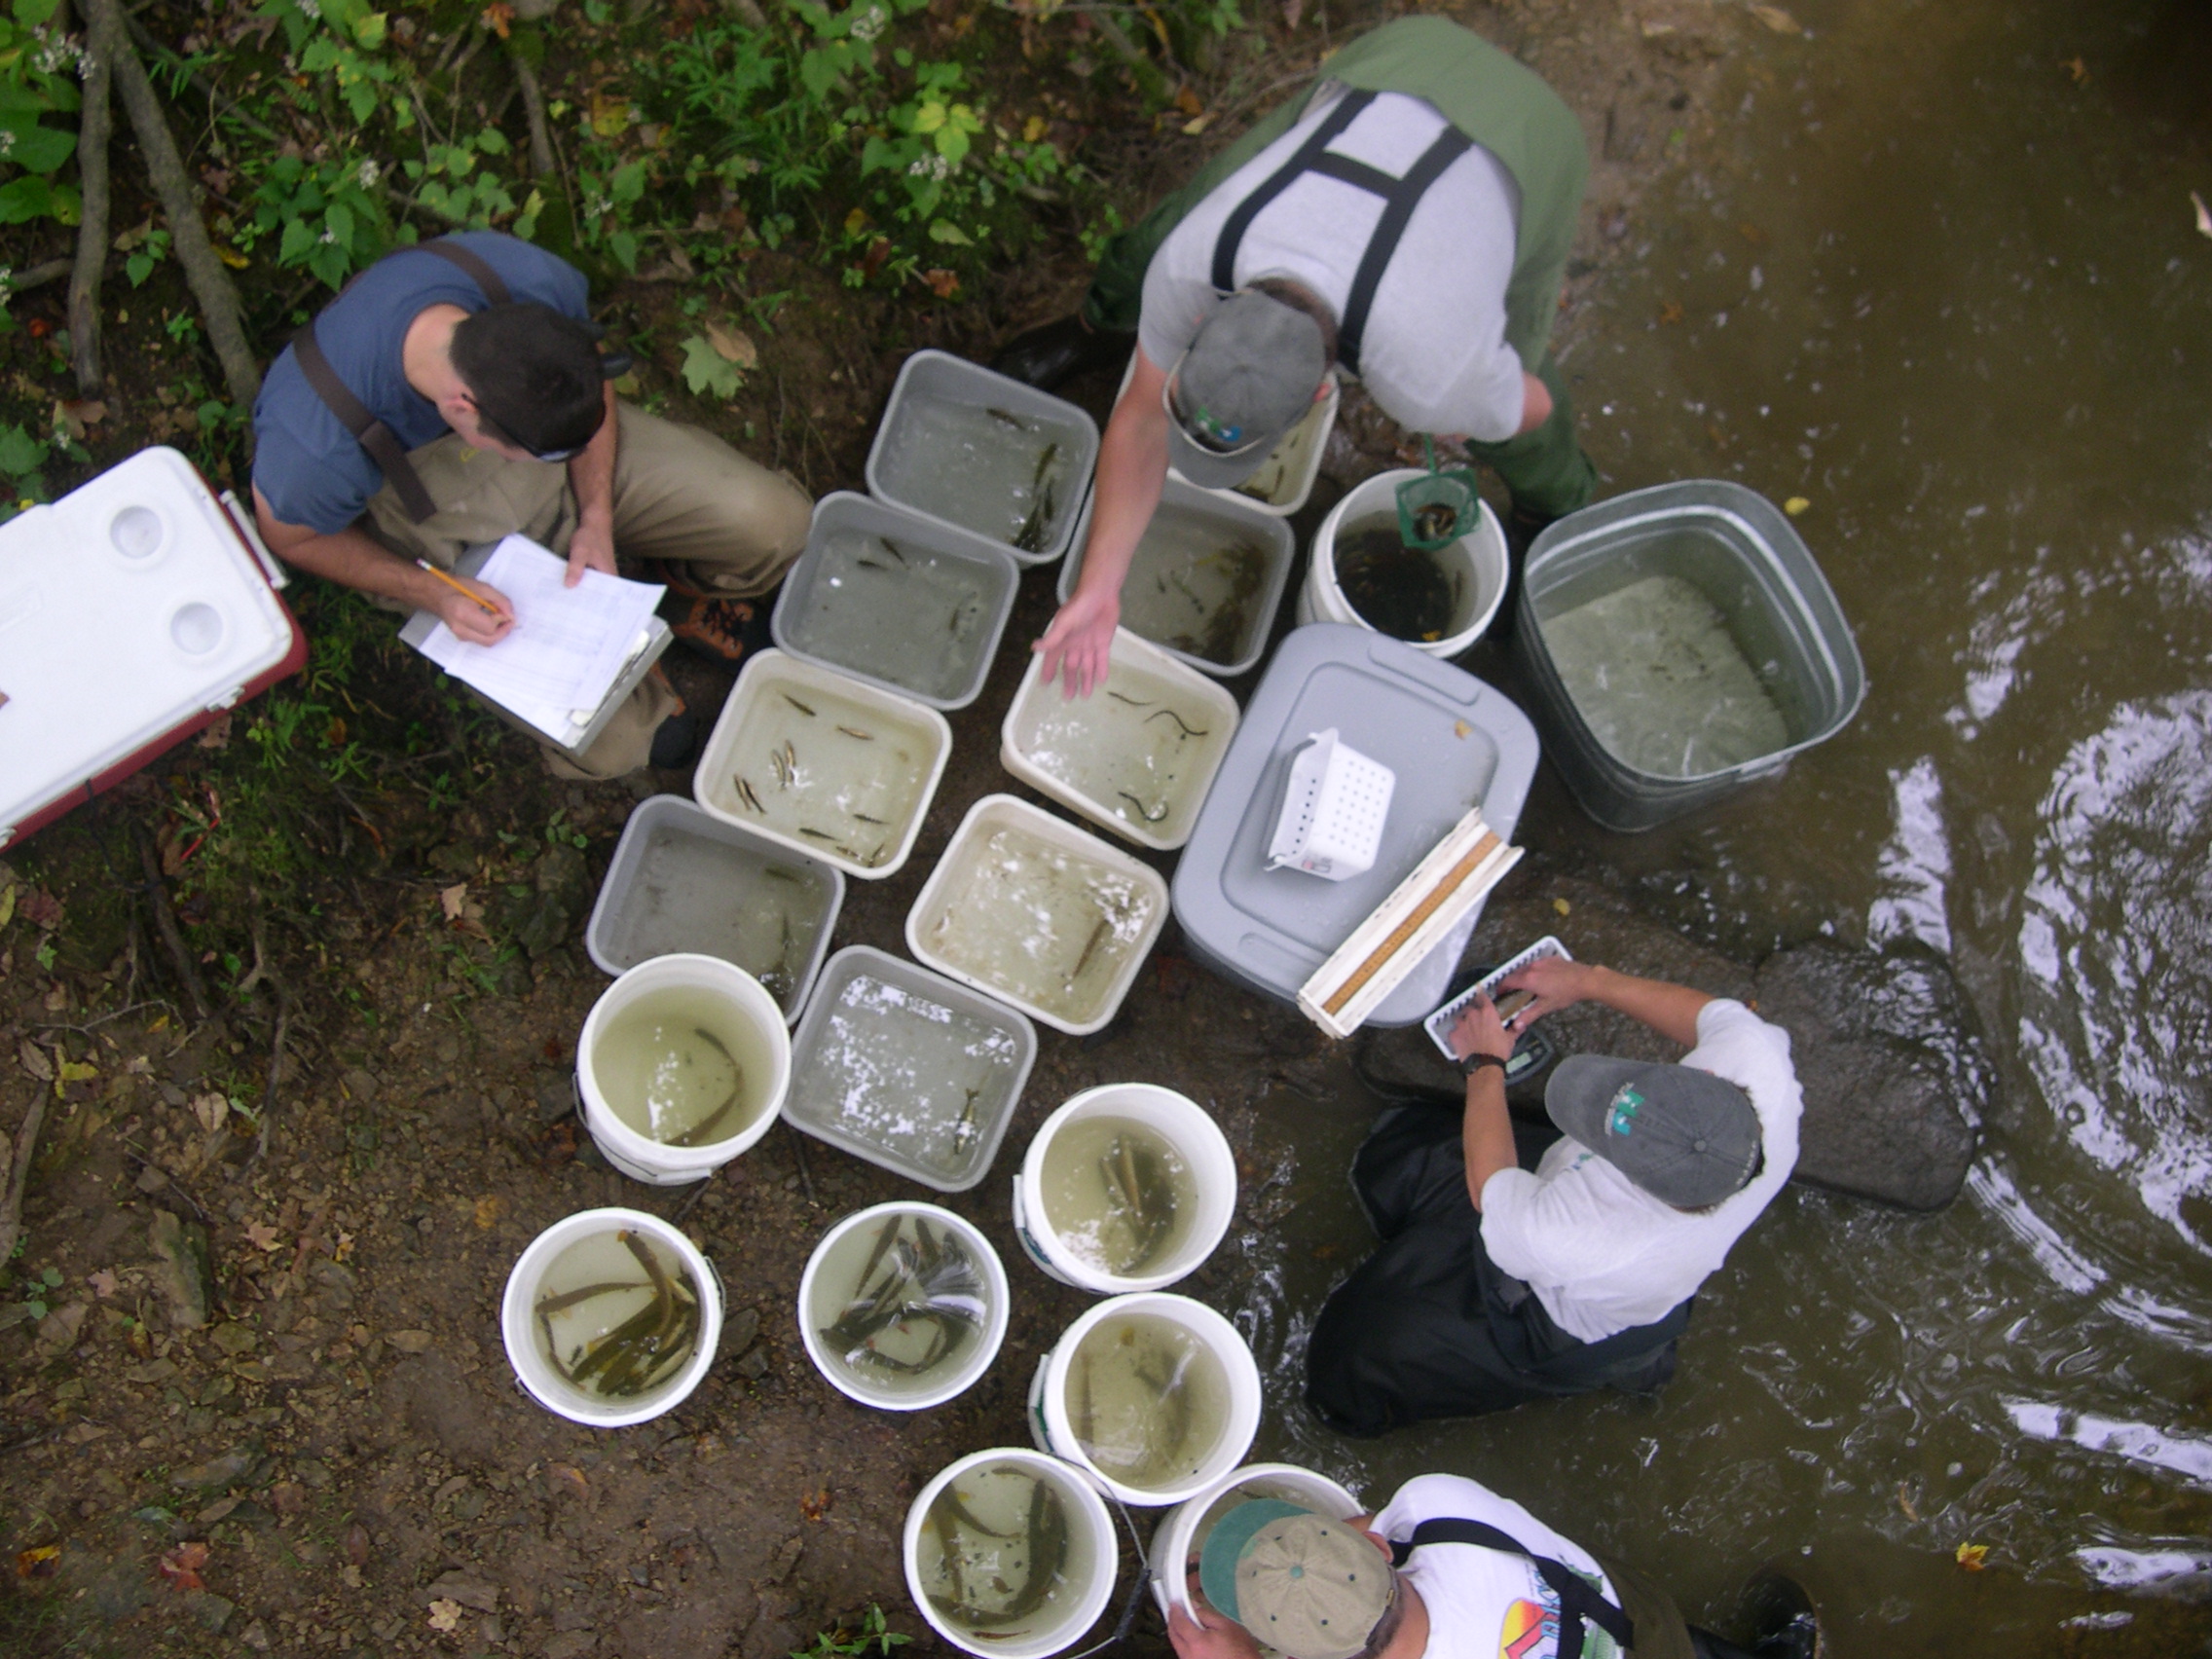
1439	601
1010	1553
1182	1533
1154	1393
612	1317
903	1306
682	1064
1127	1186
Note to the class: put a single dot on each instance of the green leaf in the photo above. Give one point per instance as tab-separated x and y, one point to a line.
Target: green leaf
819	71
493	142
706	370
878	153
628	182
369	29
138	266
299	236
361	99
945	230
27	197
624	246
339	222
50	1277
952	144
35	14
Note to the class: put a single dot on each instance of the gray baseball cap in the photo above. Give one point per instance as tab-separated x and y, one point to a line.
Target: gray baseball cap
1686	1137
1248	377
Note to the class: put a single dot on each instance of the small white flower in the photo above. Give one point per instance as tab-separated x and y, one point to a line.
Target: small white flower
7	140
312	9
929	167
870	24
327	238
6	279
370	173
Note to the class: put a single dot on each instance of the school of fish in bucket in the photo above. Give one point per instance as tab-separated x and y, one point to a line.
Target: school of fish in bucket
819	770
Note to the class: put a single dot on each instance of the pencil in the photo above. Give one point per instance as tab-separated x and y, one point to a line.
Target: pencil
482	604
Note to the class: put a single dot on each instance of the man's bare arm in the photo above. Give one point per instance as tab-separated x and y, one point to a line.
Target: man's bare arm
591	475
352	558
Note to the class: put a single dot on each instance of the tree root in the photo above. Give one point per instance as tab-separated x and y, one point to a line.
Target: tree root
91	262
164	918
541	163
211	285
11	1203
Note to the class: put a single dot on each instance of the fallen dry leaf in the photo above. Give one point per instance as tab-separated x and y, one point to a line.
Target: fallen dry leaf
453	901
489	1209
41	908
498	18
263	1235
2074	67
816	1508
445	1613
563	1477
210	1109
39	1562
102	1282
1972	1558
356	1545
1777	19
1671	312
181	1567
1562	905
733	345
33	1059
943	283
91	411
1188	100
1798	505
1904	1502
287	1497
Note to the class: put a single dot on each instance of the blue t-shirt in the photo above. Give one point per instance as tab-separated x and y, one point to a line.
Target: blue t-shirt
312	469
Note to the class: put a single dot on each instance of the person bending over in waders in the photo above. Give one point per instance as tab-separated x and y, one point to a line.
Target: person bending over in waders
453	395
1567	1261
1408	218
1447	1570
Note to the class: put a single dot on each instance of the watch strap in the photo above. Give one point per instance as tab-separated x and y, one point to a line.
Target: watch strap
1473	1064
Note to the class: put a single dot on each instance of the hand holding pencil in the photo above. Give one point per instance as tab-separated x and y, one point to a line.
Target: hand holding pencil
476	613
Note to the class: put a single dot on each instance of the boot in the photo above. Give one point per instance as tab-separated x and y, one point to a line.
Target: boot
1054	352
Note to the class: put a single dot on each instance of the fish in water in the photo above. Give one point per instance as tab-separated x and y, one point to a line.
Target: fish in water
645	1349
1139	1196
925	1281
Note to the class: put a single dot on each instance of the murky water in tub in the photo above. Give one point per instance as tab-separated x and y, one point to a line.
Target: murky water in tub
1194	585
998	1556
836	774
891	609
900	1070
1147	1399
1039	921
616	1314
1657	672
693	893
1140	745
899	1303
1007	476
683	1067
1117	1194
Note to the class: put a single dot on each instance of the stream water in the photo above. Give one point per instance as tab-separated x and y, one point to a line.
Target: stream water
1938	275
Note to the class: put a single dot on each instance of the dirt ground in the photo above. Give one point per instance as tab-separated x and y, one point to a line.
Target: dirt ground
338	1460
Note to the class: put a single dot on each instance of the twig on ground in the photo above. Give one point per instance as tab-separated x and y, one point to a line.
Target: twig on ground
211	285
39	275
806	1175
11	1204
92	230
139	1151
86	1030
690	1201
164	918
534	111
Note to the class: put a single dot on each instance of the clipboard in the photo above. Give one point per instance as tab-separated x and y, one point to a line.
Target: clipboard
644	651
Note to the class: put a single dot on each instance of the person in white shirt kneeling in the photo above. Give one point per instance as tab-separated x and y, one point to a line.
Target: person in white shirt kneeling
1497	1283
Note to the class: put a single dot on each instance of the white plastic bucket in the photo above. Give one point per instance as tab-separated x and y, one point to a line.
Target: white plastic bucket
997	1298
535	1373
1178	1528
1092	1548
1193	1133
1320	600
1053	1432
638	1156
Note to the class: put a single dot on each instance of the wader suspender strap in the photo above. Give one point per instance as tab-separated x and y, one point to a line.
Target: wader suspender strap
1400	197
371	433
1577	1600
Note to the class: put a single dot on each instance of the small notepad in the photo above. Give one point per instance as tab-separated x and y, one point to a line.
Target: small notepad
567	646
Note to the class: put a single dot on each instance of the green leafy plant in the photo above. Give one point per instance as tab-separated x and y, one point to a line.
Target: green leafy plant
874	1635
37	79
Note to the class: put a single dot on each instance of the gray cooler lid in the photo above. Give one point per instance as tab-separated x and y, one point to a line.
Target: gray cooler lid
1452	740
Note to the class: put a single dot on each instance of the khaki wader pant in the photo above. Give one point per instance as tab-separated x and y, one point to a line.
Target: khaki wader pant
680	493
1502	106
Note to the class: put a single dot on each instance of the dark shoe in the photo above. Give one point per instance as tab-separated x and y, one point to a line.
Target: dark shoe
1522	527
1784	1624
674	741
726	630
1051	352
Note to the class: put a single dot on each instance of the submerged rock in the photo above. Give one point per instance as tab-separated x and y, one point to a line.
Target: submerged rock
1896	1075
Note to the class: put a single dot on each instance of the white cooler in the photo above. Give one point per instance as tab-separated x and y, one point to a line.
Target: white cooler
132	612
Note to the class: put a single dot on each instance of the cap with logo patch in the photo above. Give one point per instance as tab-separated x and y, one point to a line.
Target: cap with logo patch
1249	376
1685	1137
1309	1587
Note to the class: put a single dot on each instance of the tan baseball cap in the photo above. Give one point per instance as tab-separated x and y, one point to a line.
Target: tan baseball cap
1309	1587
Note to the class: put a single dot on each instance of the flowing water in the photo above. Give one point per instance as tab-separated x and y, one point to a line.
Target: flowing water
1010	477
1117	1194
1951	292
616	1314
682	1066
1147	1399
895	610
1141	747
998	1557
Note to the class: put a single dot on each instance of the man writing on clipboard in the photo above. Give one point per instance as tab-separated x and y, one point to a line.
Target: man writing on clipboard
1408	216
453	395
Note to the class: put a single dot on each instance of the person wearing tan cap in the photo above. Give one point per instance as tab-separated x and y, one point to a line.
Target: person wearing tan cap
1447	1570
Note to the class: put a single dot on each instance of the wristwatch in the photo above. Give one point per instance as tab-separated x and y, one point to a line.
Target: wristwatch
1473	1064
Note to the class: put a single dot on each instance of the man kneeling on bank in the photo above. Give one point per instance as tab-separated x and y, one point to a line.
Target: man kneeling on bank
1447	1567
1521	1261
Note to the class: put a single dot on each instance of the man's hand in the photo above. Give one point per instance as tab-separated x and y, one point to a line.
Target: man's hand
1554	983
471	623
590	548
1079	645
1479	1031
1209	1636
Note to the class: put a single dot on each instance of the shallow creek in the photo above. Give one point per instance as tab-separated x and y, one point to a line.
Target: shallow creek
1926	277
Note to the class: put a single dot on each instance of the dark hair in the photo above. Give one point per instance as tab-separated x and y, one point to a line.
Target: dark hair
1299	297
1386	1627
535	373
